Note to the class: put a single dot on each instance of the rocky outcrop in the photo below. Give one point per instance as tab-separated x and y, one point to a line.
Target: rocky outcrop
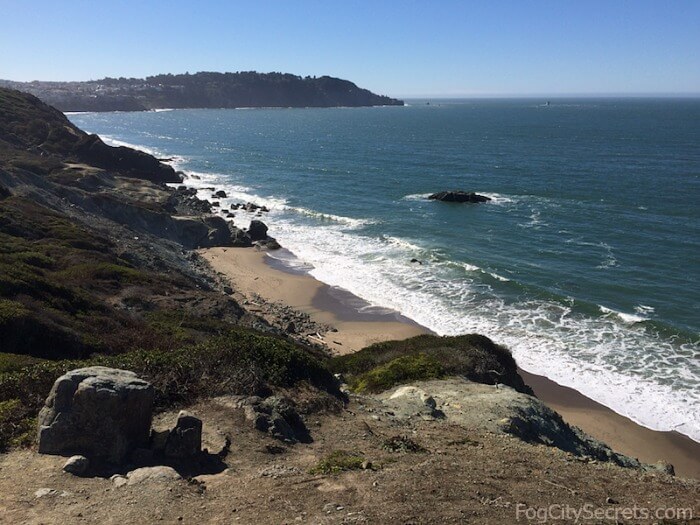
276	416
183	441
127	161
102	413
459	196
257	231
498	409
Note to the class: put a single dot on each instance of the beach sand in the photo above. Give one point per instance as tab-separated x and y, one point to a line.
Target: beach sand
251	272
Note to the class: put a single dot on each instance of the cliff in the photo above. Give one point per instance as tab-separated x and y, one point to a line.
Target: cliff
203	90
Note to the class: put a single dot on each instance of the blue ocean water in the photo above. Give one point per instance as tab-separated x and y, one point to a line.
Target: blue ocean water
585	263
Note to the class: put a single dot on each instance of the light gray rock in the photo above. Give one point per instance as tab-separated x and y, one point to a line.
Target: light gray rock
102	413
151	474
77	465
118	480
499	410
51	493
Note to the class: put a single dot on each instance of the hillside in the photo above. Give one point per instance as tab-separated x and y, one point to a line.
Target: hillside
202	90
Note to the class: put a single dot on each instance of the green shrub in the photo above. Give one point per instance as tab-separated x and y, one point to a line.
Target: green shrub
383	365
238	362
413	367
11	312
16	424
338	461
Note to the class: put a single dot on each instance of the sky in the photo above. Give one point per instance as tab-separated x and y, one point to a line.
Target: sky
438	48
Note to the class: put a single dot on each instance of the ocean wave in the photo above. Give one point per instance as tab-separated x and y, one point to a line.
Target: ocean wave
607	358
498	198
329	217
625	317
416	197
111	141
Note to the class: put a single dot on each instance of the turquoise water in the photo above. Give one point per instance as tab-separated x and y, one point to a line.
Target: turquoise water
585	263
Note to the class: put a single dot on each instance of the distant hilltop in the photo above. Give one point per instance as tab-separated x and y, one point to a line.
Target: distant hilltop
202	90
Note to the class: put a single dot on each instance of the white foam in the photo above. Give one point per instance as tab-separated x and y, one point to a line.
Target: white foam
498	198
610	358
111	141
606	358
416	197
329	217
625	317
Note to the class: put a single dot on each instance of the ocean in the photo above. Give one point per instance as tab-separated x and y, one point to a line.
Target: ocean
585	263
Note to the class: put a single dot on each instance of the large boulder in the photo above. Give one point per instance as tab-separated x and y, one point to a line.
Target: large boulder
99	412
257	230
459	196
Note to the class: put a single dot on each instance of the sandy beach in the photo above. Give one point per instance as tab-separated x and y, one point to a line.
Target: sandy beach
251	272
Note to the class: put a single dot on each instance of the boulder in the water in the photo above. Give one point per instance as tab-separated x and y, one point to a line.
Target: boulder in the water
459	196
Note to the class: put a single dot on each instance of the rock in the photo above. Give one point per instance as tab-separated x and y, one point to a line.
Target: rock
291	328
459	196
269	244
228	290
102	413
411	401
151	474
257	230
664	467
239	238
220	194
118	480
503	410
42	493
185	439
52	493
416	261
215	204
142	456
278	417
77	465
4	192
159	440
134	163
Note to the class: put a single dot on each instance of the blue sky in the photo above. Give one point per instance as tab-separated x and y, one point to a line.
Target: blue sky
408	48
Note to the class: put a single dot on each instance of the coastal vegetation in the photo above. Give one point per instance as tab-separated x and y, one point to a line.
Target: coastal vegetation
384	365
78	289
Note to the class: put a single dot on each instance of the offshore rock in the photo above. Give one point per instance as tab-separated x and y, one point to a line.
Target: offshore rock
459	196
99	412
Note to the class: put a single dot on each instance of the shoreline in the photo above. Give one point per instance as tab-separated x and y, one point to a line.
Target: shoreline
357	324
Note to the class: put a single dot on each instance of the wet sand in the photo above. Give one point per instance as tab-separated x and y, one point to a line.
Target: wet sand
358	325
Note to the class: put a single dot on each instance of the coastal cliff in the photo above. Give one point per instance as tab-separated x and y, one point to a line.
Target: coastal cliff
100	267
247	89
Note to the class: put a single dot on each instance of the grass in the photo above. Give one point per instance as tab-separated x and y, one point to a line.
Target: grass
384	365
412	367
338	461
